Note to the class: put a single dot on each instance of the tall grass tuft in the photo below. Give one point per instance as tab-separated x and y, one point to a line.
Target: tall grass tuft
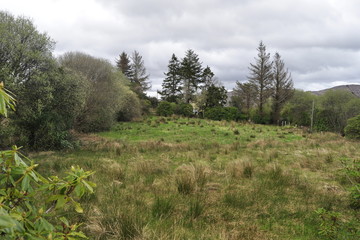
162	207
240	169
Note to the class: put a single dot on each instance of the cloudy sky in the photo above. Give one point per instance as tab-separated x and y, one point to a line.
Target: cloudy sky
319	40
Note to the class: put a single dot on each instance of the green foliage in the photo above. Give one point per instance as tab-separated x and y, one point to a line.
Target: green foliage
31	203
215	96
191	73
222	113
171	86
108	96
336	107
352	129
50	98
130	107
330	223
165	109
298	109
6	100
184	109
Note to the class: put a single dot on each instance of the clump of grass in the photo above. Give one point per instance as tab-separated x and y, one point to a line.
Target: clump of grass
236	132
185	179
120	226
190	178
196	208
240	169
150	168
162	207
239	200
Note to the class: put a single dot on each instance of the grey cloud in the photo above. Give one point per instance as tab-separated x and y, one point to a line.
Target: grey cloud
318	40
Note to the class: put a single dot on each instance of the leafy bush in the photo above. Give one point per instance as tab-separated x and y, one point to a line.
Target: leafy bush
32	206
184	109
352	129
223	113
165	109
23	215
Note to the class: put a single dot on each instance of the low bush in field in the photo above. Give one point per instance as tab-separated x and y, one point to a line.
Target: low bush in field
223	113
183	109
352	129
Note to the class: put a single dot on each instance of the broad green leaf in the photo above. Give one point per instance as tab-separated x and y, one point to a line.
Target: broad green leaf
6	222
43	224
77	234
61	201
78	207
64	220
79	190
88	186
25	184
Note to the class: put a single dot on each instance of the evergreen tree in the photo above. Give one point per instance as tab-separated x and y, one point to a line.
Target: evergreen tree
208	78
192	75
261	77
138	76
123	64
283	88
171	86
215	96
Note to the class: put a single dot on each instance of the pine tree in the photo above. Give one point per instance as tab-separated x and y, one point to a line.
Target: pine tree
171	86
192	73
215	96
282	87
138	76
208	78
123	64
261	77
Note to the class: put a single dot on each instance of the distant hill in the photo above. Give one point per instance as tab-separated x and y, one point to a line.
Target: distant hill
354	89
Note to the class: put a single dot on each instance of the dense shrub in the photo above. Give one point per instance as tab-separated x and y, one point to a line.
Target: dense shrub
352	129
184	109
109	98
223	113
130	107
165	109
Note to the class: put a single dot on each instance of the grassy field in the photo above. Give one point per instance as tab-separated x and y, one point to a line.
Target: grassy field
177	178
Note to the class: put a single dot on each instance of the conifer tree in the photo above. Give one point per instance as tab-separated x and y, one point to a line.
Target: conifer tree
282	87
261	77
208	78
171	86
138	76
192	75
123	64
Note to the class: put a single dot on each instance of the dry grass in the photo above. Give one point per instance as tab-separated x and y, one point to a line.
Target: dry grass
210	185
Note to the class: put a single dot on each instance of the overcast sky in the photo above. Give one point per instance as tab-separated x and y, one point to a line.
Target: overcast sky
319	40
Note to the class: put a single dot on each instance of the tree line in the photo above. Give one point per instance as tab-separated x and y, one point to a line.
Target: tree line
267	80
78	92
55	96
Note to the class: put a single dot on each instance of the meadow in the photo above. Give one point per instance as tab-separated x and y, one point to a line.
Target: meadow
185	178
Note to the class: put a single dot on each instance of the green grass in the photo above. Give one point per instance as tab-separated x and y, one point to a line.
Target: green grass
178	178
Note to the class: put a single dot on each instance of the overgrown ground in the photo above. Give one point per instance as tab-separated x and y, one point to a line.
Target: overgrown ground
170	178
